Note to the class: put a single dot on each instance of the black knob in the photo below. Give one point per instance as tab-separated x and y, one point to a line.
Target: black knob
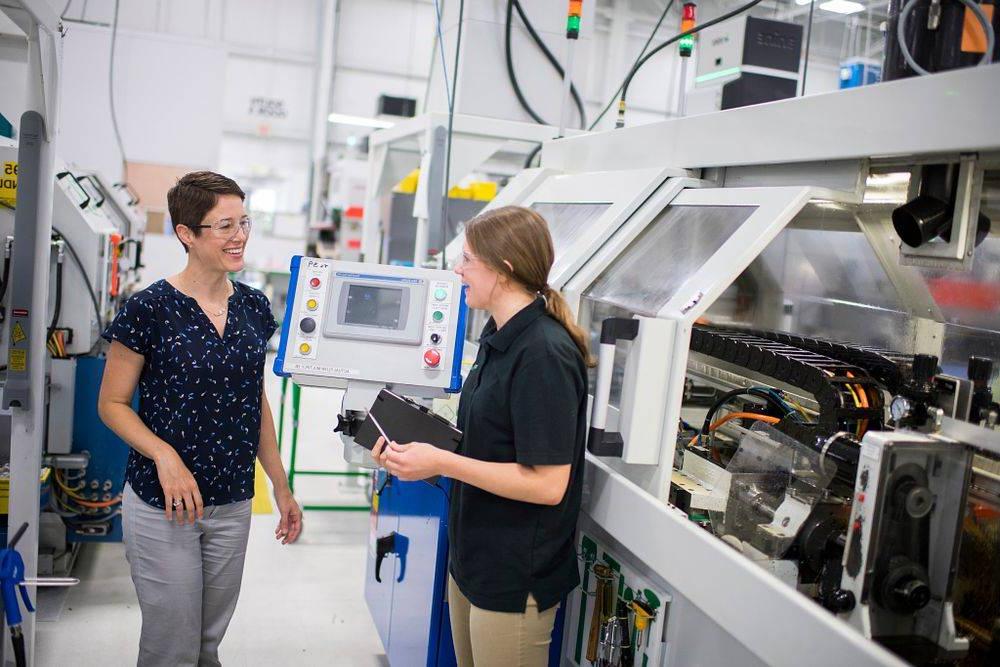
840	601
911	594
980	371
925	367
435	338
308	324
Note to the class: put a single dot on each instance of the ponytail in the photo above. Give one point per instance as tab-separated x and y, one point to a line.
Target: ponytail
558	309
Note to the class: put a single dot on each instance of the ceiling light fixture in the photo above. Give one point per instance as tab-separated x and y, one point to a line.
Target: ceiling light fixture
361	121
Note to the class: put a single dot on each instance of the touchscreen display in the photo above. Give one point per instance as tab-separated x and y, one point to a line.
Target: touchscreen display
374	306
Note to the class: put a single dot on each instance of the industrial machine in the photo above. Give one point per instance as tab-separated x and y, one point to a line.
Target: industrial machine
782	431
746	60
361	328
94	263
493	146
791	338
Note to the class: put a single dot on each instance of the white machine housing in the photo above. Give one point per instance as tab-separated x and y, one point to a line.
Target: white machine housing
348	322
363	327
95	238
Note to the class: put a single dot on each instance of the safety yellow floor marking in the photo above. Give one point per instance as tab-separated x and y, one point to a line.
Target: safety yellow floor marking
261	493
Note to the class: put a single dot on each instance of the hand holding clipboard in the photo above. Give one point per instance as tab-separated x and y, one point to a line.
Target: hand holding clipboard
393	418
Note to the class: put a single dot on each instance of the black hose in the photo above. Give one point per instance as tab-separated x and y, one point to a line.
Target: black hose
510	68
86	279
57	310
6	277
676	38
451	132
17	641
531	156
553	61
515	4
645	46
729	395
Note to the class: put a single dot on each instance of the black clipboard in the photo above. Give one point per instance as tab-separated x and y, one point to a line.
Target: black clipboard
405	421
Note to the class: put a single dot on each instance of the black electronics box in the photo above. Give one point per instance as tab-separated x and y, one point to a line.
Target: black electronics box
405	421
396	106
772	44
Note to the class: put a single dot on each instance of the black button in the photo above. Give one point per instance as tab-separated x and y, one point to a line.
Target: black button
435	338
308	324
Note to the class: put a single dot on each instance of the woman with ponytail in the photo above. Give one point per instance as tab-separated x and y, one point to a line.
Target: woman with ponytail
518	475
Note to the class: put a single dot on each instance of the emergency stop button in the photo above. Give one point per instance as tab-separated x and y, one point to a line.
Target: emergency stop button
432	358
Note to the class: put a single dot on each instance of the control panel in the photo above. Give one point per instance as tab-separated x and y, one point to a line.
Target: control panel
372	323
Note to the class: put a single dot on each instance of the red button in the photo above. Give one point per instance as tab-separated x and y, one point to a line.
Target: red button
857	525
861	497
432	358
314	283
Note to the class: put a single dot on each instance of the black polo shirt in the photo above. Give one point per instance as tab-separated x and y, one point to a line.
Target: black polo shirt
524	401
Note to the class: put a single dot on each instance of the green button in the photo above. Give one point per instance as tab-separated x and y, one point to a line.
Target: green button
438	316
440	294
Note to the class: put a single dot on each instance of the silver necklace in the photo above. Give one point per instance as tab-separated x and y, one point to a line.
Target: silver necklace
214	311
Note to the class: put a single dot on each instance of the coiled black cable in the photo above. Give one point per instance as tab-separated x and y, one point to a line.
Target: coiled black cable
676	38
515	4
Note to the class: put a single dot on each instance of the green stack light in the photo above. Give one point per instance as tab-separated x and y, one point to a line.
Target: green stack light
686	45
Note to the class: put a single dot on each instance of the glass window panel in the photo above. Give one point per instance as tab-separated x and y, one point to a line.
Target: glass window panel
838	266
568	222
651	270
970	298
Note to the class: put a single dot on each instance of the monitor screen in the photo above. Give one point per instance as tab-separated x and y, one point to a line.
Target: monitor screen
374	306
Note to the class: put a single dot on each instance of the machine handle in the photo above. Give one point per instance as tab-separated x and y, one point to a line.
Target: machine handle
132	194
97	188
138	255
599	441
383	547
86	202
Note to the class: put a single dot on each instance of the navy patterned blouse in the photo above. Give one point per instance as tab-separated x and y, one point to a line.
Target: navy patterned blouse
199	392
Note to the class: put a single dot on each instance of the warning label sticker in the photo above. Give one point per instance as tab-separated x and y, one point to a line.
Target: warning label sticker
8	183
17	333
17	360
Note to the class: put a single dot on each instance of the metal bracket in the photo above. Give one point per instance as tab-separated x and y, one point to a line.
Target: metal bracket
956	254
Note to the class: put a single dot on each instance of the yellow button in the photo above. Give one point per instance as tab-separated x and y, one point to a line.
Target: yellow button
312	304
305	348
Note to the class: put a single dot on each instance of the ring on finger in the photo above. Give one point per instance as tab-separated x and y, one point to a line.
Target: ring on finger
176	504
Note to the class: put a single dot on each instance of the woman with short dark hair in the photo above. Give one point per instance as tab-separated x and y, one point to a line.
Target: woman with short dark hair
195	345
519	472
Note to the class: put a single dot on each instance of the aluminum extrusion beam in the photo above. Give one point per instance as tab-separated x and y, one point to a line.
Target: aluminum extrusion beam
945	113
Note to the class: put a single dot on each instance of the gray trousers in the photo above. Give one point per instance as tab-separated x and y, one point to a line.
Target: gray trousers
187	578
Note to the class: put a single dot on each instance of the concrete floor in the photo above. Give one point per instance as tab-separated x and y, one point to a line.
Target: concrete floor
301	604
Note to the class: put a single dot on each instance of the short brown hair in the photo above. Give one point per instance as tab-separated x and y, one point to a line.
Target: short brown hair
521	236
195	195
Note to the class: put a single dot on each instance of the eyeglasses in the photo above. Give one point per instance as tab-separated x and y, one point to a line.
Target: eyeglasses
227	228
465	259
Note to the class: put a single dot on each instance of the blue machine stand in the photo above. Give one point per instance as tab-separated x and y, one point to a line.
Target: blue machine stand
408	550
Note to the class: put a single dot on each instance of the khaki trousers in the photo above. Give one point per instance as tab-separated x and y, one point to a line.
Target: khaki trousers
499	639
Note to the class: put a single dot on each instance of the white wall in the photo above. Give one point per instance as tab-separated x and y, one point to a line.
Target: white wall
167	97
231	84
